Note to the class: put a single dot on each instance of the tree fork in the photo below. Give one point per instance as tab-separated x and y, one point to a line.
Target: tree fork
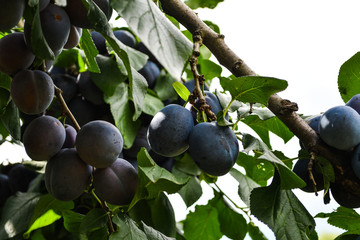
285	110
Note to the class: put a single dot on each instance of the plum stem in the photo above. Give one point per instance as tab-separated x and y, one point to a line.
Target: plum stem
66	110
199	79
107	209
310	168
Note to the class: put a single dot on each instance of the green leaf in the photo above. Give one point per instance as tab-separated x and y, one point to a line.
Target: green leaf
39	46
90	51
67	57
164	88
153	234
16	214
93	220
154	179
349	78
257	169
194	4
181	90
4	99
5	81
152	104
187	165
47	211
255	232
192	191
210	69
213	26
122	111
72	221
281	211
289	179
203	223
253	89
246	185
109	77
11	120
228	218
262	128
127	229
157	33
345	218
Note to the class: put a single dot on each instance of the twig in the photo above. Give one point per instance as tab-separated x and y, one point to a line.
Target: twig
310	170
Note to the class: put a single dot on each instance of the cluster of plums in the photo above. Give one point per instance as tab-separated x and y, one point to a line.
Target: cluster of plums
175	130
338	127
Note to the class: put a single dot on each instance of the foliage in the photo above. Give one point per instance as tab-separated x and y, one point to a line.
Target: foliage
264	176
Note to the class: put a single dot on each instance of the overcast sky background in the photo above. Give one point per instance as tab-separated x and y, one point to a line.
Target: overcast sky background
303	42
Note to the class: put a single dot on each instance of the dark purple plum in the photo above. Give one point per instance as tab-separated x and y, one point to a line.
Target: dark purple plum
57	71
14	53
169	130
89	90
342	197
32	91
10	13
339	127
117	183
67	84
139	142
164	162
100	43
301	169
5	190
354	103
44	137
66	175
150	72
55	25
99	143
20	178
355	160
74	37
213	148
126	38
84	111
70	136
78	14
314	124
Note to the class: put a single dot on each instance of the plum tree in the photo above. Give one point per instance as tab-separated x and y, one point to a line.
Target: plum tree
10	13
116	183
342	119
44	137
32	91
66	175
55	25
301	169
14	53
78	14
107	147
169	130
218	149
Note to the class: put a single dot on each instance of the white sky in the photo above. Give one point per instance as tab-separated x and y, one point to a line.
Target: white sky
304	42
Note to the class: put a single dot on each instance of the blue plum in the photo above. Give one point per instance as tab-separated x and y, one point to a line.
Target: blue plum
5	190
20	178
14	53
99	143
169	130
66	175
89	90
355	160
43	137
70	136
339	127
190	85
117	183
301	169
126	38
213	148
10	13
100	42
343	197
150	72
139	142
354	102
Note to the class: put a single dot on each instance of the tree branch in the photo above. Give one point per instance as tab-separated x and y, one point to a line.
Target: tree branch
283	109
